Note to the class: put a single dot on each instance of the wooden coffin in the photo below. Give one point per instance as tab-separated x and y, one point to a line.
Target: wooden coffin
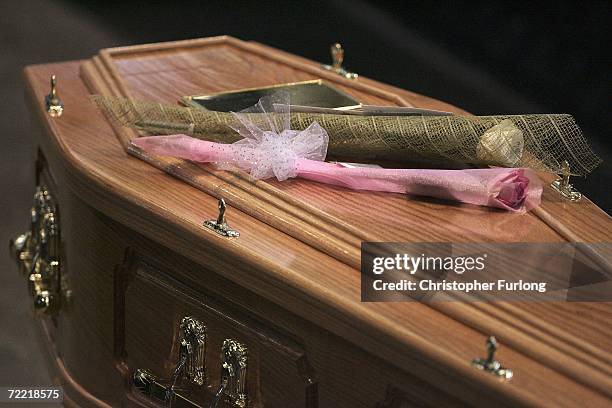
280	304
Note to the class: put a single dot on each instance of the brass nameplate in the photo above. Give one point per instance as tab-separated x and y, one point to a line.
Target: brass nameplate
308	93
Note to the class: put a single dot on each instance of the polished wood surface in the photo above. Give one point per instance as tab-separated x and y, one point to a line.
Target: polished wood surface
549	346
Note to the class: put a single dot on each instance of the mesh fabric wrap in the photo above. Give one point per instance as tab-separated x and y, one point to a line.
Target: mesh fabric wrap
549	139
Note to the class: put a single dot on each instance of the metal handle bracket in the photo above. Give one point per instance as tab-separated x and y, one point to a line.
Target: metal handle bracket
191	366
337	54
220	226
562	185
489	363
55	106
39	255
148	385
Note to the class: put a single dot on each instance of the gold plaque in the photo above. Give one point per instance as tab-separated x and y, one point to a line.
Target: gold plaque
308	93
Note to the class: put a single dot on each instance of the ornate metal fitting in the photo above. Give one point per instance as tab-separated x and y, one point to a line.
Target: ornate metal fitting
150	386
54	104
220	226
192	354
491	365
234	356
337	54
193	348
38	253
25	245
191	366
563	186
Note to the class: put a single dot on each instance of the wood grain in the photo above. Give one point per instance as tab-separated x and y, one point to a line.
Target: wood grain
300	280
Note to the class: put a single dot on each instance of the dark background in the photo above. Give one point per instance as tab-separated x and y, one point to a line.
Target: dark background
486	57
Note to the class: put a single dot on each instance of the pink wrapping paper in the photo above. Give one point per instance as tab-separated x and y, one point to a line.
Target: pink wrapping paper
516	190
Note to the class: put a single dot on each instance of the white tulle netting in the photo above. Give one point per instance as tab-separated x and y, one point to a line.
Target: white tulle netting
270	148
